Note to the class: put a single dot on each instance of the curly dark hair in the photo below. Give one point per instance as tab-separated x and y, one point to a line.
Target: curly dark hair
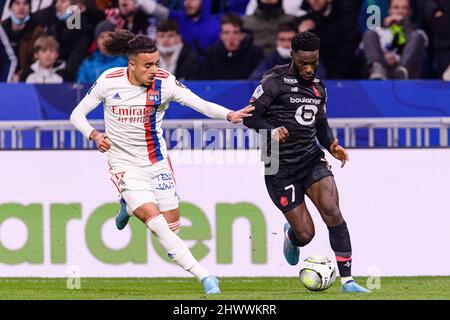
124	42
305	41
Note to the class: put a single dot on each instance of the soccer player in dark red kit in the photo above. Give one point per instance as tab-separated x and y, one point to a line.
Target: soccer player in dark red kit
290	104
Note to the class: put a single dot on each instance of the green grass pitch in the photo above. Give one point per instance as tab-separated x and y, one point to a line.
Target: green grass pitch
392	288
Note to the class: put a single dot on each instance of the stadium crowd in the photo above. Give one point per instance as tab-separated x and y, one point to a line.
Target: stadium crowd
52	41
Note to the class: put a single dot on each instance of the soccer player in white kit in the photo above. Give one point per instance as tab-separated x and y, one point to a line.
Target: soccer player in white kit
135	99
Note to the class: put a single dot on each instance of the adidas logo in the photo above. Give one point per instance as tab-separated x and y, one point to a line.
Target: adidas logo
116	96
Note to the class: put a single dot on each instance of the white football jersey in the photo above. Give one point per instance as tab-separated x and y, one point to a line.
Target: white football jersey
133	114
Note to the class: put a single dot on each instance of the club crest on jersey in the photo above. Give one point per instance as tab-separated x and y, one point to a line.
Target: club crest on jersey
154	96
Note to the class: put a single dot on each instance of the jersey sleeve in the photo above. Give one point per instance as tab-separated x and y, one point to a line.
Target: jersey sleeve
180	93
90	101
261	99
324	133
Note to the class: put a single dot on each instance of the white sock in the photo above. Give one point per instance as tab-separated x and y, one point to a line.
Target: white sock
344	280
129	211
175	247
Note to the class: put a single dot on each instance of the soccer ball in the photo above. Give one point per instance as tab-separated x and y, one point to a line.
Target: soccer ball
317	273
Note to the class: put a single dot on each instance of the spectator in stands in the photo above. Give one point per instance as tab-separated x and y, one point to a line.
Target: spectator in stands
175	57
90	11
35	6
282	54
335	22
104	4
46	68
234	57
22	31
172	4
264	22
93	66
136	20
292	7
225	6
198	27
64	9
75	42
396	49
8	60
437	15
113	15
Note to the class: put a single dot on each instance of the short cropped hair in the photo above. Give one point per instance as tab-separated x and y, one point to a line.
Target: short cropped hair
168	25
286	27
305	41
234	19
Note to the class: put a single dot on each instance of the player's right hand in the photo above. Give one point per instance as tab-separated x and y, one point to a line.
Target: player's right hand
280	134
238	116
101	140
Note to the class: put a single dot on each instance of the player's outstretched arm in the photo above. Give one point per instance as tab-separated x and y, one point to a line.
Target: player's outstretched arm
186	97
339	152
238	116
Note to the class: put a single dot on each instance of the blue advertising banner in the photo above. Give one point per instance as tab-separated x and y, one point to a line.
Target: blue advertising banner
346	99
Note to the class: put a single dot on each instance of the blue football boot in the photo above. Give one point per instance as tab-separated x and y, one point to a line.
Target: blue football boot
291	252
211	285
122	216
352	286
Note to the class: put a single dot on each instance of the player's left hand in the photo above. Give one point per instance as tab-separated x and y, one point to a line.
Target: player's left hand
339	152
238	116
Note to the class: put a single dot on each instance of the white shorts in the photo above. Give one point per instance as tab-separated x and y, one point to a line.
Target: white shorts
154	183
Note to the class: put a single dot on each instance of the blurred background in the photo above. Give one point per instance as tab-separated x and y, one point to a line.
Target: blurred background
386	67
226	39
